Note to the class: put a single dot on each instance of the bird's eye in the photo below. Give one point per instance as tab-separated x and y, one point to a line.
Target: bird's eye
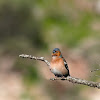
54	51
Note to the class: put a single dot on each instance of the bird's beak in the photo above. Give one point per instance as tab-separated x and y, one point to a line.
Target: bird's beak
53	54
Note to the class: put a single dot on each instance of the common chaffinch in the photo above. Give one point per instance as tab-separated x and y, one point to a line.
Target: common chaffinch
58	65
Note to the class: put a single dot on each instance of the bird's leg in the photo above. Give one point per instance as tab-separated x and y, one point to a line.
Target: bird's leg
62	78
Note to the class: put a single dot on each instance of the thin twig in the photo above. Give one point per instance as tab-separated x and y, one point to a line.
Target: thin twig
97	76
94	70
35	58
69	78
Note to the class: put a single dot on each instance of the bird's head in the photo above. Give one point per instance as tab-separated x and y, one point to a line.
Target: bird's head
56	52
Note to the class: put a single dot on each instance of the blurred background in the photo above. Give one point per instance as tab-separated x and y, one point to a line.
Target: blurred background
36	27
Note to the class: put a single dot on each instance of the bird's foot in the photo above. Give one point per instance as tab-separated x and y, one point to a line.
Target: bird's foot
52	79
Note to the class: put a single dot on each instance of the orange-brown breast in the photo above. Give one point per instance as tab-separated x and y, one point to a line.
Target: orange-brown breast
58	64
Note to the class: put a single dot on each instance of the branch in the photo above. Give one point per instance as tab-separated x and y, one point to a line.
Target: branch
69	78
35	58
95	70
79	81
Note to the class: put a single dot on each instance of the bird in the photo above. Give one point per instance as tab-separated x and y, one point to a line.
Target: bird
58	64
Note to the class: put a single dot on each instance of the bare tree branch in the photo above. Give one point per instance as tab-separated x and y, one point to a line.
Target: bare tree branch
95	70
79	81
69	78
35	58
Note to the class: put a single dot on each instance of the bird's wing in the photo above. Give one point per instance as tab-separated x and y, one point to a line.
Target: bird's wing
65	63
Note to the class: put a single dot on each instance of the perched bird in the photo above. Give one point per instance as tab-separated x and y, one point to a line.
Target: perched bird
58	65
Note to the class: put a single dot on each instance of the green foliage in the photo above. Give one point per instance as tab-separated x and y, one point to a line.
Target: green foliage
30	75
19	22
29	72
26	96
21	19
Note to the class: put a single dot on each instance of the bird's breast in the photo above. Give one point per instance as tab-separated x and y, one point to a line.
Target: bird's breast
58	67
56	71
